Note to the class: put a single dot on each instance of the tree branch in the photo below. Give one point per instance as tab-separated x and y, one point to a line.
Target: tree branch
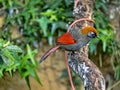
91	76
78	60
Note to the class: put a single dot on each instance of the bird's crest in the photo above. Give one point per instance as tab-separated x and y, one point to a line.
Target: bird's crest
88	29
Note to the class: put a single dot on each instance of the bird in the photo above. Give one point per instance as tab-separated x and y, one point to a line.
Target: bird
73	40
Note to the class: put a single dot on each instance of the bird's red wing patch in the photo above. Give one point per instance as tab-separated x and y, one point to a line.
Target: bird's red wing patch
66	39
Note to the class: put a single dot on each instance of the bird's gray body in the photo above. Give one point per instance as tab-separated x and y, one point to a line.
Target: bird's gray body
81	40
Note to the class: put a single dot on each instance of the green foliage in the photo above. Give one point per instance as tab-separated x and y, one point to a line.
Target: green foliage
76	80
28	66
115	49
117	72
105	31
36	19
8	57
45	19
13	59
106	36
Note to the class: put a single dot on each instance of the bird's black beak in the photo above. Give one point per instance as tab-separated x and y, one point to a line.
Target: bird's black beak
92	35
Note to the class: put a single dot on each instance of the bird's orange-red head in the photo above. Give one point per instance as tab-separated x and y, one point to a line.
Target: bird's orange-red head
88	29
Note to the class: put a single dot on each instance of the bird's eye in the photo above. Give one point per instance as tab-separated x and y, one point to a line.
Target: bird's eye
91	34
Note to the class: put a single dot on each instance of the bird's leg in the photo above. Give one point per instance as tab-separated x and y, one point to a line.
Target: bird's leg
68	69
76	21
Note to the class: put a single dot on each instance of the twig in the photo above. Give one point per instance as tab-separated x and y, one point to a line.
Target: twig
68	69
76	3
114	85
79	20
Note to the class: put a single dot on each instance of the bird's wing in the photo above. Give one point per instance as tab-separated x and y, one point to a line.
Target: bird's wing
66	39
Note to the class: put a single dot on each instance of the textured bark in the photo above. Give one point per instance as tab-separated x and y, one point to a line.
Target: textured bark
78	60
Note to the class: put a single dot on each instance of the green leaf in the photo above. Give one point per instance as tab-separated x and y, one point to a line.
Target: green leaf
31	55
50	40
1	72
24	60
14	48
67	3
44	21
104	45
35	76
5	60
6	44
28	82
27	72
10	71
8	56
56	4
49	12
53	28
61	24
117	72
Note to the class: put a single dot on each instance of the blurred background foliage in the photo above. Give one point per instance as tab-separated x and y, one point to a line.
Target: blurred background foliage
32	22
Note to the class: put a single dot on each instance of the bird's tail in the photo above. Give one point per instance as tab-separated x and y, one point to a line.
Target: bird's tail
48	53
